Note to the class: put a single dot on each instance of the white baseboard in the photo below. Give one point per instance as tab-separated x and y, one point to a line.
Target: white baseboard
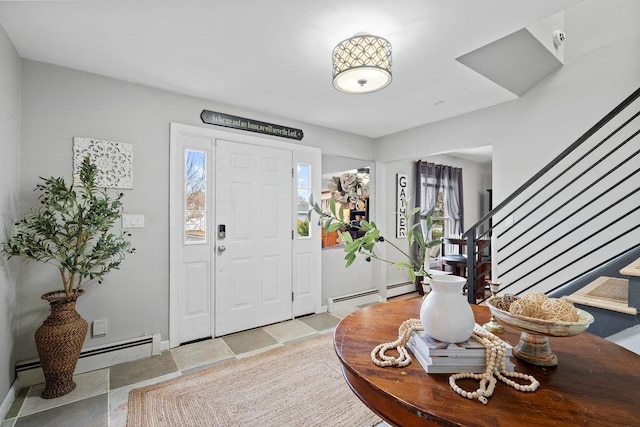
8	399
30	372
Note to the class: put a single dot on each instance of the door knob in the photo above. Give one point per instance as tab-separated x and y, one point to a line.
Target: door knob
221	249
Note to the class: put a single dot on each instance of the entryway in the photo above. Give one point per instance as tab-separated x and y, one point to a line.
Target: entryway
237	257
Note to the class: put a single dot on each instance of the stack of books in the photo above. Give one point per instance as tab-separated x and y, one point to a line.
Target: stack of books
437	357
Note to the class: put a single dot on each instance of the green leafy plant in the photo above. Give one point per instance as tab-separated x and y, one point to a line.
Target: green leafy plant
365	245
303	227
71	229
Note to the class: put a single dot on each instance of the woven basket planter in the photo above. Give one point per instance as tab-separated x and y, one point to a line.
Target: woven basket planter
59	341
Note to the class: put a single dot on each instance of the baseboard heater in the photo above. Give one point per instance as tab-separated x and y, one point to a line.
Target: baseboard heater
30	372
351	300
400	289
400	285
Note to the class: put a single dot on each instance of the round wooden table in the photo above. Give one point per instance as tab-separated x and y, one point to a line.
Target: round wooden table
595	383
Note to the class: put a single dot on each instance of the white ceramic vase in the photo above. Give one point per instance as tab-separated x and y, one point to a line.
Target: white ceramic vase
445	313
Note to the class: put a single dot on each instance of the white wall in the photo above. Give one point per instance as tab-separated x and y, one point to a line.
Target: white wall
60	103
9	173
338	280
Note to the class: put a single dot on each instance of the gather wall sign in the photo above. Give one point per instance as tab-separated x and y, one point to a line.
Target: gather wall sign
401	205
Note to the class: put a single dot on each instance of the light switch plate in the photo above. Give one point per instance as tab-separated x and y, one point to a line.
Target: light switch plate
132	221
99	328
508	222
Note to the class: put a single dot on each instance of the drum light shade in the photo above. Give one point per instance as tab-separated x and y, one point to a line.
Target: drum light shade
362	64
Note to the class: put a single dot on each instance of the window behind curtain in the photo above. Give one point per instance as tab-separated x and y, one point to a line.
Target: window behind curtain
439	193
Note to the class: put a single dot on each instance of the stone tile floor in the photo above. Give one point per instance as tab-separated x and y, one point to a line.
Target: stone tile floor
100	398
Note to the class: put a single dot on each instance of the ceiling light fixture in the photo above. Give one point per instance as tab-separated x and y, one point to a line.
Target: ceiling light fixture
362	64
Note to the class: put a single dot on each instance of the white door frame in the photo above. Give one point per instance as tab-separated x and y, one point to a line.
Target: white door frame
311	155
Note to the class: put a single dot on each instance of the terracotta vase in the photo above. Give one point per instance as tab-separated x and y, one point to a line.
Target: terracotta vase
59	341
445	313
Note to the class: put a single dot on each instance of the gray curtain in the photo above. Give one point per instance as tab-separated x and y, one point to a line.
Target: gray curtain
452	196
430	179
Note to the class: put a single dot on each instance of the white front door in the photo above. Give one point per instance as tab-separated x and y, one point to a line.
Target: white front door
253	236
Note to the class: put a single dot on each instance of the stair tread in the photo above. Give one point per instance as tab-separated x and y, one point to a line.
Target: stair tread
613	289
609	293
632	269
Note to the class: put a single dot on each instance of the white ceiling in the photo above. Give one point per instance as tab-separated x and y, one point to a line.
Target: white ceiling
274	57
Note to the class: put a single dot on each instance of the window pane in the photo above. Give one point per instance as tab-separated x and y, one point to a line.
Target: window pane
196	166
303	200
302	204
195	226
303	176
195	181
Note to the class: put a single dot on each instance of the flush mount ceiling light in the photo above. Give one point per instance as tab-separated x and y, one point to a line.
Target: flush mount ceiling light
362	64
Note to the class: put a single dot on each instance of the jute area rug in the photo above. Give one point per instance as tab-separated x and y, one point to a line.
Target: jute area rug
295	385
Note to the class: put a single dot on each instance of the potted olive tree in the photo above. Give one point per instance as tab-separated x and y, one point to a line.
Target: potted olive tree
71	229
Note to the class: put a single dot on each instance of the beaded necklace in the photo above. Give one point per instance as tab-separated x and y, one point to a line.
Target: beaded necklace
495	361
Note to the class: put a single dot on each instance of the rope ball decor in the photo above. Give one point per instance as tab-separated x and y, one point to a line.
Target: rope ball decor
537	305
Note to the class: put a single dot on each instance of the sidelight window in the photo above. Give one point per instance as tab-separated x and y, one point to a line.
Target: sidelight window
302	204
195	203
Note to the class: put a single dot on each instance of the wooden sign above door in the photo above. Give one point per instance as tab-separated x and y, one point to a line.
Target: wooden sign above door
241	123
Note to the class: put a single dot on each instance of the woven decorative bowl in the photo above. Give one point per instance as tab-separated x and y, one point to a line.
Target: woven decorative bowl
534	344
544	327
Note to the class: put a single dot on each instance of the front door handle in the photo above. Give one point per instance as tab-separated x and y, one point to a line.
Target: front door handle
221	249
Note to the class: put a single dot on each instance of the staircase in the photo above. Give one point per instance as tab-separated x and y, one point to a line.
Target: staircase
574	227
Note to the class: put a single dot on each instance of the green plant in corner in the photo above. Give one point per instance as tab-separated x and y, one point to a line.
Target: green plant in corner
71	229
334	220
